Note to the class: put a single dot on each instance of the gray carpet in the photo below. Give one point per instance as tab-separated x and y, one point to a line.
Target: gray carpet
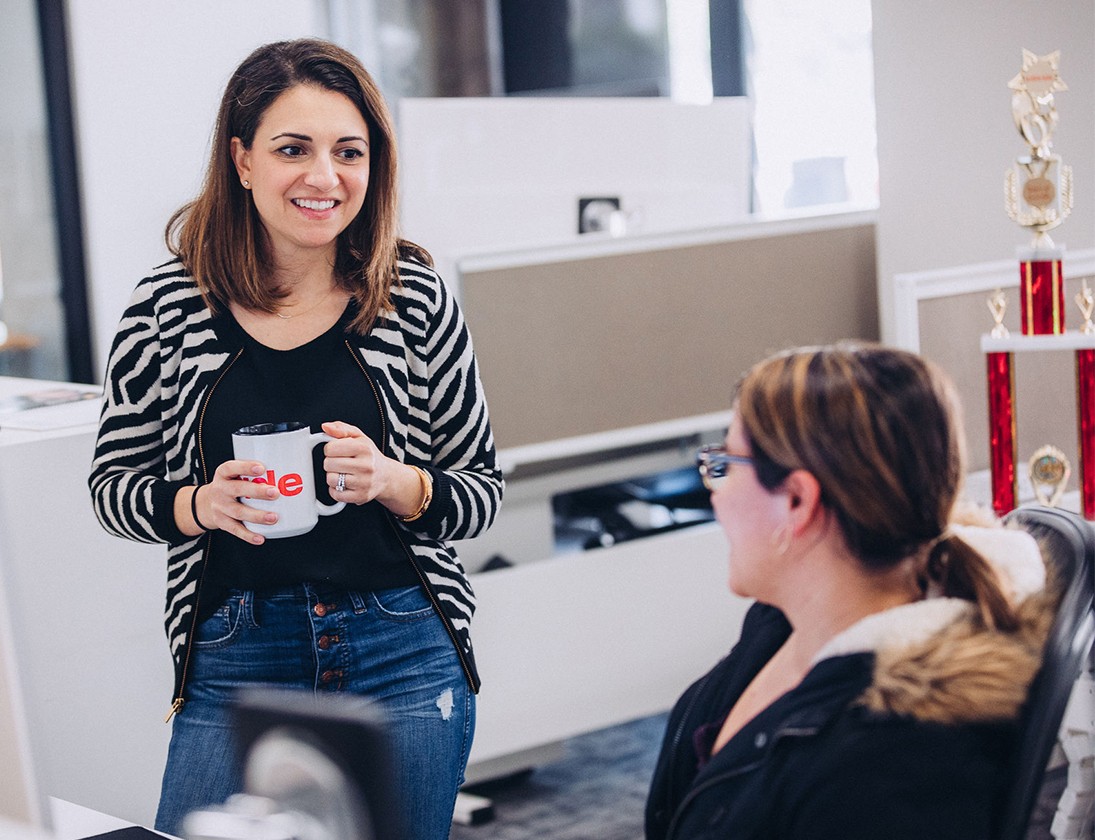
595	792
598	789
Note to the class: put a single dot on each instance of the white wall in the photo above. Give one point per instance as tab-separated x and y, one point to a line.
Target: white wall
945	131
147	79
498	174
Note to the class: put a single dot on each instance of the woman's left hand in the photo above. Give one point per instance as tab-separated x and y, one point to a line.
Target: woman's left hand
354	455
367	472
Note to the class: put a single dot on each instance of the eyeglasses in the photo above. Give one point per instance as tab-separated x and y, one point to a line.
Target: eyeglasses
714	462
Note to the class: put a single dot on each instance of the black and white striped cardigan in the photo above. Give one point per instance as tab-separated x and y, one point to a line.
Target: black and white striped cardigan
168	356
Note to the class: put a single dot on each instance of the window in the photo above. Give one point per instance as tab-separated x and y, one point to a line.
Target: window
584	47
42	299
807	67
810	73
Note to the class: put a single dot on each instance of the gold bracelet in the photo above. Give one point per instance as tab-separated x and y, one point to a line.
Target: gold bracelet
427	495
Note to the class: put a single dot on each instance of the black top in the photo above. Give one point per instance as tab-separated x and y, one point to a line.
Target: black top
358	547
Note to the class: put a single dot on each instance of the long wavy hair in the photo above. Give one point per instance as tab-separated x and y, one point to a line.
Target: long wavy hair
219	235
879	428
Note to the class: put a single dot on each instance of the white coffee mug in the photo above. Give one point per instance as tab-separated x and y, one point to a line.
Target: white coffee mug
285	449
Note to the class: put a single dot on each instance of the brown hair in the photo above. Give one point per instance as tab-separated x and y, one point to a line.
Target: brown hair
879	430
219	235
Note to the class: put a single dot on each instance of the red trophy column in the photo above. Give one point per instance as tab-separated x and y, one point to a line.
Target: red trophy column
1041	292
1085	397
1002	442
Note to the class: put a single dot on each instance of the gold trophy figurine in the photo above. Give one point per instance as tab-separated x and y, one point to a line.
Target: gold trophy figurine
1038	188
998	305
1085	299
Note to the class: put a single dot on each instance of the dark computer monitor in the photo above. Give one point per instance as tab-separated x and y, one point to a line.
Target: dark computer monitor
327	756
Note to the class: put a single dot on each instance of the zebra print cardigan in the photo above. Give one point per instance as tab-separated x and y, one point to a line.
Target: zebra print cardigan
168	356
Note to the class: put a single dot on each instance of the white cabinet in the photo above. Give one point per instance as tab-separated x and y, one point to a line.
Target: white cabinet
87	620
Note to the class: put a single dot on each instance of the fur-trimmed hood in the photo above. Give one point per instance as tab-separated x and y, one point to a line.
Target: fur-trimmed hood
936	661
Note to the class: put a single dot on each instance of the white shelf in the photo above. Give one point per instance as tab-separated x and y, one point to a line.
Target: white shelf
1025	343
515	457
978	489
604	245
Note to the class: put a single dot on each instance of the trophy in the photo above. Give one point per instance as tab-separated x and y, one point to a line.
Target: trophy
1085	299
1038	195
1039	187
1038	192
1049	472
998	305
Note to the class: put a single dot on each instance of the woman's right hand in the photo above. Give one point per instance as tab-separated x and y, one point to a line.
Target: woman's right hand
218	504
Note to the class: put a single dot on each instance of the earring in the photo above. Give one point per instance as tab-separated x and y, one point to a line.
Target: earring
781	539
246	184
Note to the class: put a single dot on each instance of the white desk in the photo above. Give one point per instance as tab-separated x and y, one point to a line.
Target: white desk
75	822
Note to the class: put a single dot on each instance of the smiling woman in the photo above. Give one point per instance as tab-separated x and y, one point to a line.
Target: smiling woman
308	171
292	301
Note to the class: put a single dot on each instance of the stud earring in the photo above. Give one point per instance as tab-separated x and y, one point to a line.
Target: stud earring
246	184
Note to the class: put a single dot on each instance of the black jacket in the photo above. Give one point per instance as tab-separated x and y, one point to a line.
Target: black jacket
852	752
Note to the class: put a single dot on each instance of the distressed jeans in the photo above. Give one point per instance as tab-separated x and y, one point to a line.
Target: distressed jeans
389	646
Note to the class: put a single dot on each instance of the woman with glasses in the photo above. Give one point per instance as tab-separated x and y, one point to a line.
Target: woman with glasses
877	680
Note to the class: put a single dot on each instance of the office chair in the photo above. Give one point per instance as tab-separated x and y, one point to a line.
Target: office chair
1068	546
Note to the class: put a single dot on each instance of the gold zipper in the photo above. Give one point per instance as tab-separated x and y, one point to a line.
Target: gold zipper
410	555
176	707
180	701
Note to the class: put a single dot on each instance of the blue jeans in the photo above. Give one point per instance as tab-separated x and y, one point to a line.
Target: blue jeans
389	646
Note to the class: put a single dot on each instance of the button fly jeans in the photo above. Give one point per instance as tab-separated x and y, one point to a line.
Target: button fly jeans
389	646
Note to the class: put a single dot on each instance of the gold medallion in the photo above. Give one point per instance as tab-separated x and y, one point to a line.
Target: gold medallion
1049	472
1039	192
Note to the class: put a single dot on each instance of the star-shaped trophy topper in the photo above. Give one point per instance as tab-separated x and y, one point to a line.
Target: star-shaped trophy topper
1032	103
1039	76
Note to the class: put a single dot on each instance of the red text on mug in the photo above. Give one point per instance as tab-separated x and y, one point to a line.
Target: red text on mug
288	485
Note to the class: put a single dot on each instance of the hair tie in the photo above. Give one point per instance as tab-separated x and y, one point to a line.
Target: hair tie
945	536
194	507
933	565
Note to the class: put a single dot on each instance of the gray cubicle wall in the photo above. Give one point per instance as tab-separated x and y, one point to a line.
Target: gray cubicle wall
579	345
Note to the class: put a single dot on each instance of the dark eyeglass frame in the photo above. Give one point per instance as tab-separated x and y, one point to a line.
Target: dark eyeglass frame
714	462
